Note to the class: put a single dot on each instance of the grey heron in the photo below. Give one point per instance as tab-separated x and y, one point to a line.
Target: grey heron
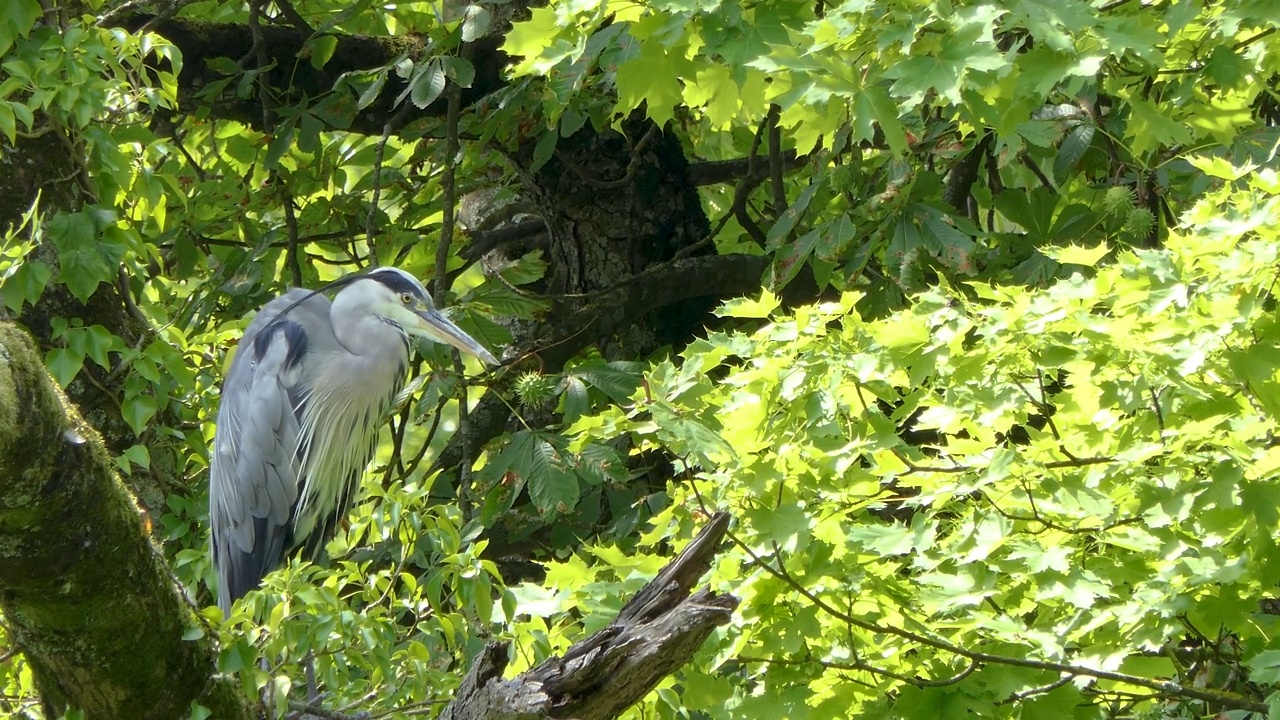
300	411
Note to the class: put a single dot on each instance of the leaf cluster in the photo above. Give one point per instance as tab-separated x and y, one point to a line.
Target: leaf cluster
996	502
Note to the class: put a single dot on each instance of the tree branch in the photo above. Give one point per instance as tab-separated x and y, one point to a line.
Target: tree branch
712	172
292	78
1165	687
964	174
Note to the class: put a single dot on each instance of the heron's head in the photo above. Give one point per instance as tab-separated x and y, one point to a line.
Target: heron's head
397	297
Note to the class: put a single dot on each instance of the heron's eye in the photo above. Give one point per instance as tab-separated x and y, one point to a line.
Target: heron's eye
406	298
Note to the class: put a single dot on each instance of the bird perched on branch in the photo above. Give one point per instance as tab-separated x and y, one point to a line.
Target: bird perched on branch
301	406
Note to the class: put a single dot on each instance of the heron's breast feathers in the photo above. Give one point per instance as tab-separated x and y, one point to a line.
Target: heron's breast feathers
341	417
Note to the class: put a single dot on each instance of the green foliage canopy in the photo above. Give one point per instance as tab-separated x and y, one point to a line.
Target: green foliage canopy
1079	520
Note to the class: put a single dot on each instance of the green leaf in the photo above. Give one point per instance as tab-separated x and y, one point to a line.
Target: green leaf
139	455
529	268
552	487
690	435
1226	67
321	49
25	284
1151	128
64	364
427	84
575	402
8	123
1074	146
1077	255
1042	133
599	464
484	330
751	308
543	151
1265	667
372	91
138	411
652	80
540	467
82	264
501	300
875	104
532	39
1220	167
787	221
459	69
223	65
475	24
616	382
280	143
20	16
791	257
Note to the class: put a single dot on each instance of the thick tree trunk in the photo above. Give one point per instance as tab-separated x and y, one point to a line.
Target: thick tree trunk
85	595
617	204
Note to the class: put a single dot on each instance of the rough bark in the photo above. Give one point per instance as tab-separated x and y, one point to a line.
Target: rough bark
598	678
86	597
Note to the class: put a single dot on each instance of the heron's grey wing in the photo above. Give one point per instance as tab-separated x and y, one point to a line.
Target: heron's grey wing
253	483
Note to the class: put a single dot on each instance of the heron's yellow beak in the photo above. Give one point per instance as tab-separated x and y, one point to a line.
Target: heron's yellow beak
435	326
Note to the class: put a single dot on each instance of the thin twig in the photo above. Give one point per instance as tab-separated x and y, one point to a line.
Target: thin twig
860	665
688	250
122	281
1042	690
627	176
1035	170
452	111
1253	39
742	192
108	18
301	711
449	181
775	162
371	225
291	227
1155	403
431	434
294	17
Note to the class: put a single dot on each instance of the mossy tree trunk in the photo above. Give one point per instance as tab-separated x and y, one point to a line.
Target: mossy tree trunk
85	595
